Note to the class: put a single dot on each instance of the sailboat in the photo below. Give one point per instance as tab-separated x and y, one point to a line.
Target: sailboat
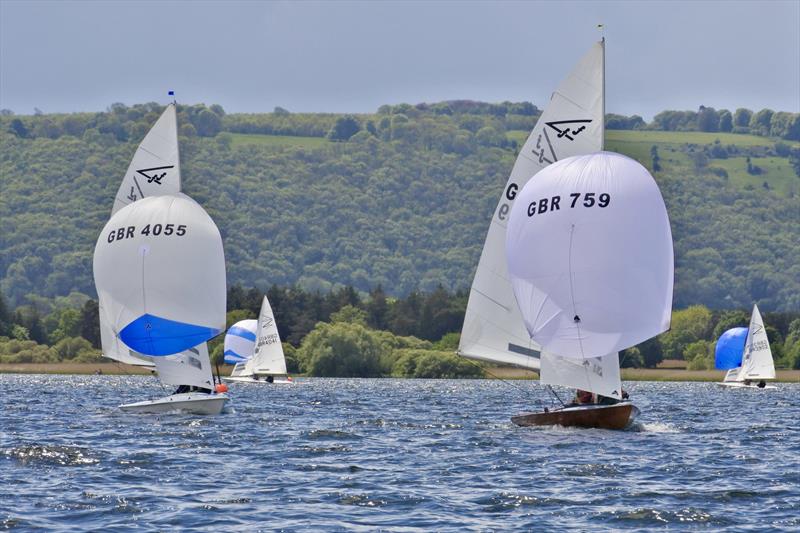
494	330
160	244
589	253
746	355
254	347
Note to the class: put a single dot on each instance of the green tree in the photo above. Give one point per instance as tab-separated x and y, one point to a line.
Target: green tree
344	128
207	123
688	326
725	121
340	350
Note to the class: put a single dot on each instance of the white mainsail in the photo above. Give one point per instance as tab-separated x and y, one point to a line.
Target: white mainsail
191	367
159	270
589	251
757	360
599	375
268	358
572	123
155	169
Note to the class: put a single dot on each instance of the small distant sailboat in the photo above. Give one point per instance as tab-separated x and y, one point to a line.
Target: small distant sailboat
153	256
746	355
254	347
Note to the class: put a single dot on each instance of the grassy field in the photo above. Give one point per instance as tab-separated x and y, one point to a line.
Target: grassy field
244	139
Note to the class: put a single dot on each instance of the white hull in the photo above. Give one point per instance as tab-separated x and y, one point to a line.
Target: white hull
262	380
193	402
740	385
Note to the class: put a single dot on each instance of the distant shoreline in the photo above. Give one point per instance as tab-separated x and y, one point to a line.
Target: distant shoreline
628	374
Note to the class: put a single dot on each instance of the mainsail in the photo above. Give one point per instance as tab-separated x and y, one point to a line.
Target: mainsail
160	274
191	367
757	360
268	357
155	169
599	375
571	124
589	251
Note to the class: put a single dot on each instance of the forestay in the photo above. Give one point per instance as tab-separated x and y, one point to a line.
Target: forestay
571	124
757	359
191	367
589	251
240	341
155	167
599	375
160	275
268	356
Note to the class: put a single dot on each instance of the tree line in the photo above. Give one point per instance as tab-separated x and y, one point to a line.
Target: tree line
350	334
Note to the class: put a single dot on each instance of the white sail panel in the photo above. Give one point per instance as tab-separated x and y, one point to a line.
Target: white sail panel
155	167
757	360
240	341
599	375
268	356
589	251
571	124
160	272
190	367
115	349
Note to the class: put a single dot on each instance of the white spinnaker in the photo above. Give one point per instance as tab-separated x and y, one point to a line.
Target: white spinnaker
240	341
161	256
115	349
155	169
191	367
599	375
571	124
757	359
268	357
589	251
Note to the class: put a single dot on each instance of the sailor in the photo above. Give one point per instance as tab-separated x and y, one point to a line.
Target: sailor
583	397
762	384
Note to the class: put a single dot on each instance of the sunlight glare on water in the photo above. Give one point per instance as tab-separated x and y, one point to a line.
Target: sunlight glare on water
392	454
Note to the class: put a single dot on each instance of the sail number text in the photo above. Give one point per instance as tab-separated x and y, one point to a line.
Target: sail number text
576	199
511	193
150	229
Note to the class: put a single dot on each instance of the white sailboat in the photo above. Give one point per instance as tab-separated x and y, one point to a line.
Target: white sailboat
571	124
254	346
757	364
154	172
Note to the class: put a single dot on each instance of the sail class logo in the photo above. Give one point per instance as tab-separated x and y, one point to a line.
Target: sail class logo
568	128
153	175
267	321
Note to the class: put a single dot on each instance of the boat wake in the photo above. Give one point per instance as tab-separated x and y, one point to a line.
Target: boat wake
653	427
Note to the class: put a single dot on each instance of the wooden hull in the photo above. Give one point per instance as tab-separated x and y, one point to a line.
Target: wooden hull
618	416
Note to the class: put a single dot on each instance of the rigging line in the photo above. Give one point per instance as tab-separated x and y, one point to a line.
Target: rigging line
526	391
550	388
576	319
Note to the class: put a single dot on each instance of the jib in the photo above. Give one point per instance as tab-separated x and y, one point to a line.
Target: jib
543	206
121	233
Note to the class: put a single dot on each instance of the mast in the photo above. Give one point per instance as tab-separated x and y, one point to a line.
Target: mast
603	115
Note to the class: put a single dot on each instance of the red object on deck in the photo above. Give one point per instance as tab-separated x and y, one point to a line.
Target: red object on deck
221	387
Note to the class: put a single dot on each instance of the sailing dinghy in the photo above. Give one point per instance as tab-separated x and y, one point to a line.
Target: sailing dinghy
589	252
494	330
746	355
147	256
254	346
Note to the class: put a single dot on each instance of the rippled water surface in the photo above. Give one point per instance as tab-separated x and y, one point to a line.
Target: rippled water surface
333	454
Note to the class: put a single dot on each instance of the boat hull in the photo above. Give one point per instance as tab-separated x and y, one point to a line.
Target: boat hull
263	381
193	402
617	416
740	385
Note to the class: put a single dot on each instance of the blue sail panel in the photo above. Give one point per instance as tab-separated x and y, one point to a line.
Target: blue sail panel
730	348
153	335
231	357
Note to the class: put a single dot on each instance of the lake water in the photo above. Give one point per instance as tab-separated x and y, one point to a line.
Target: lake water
336	454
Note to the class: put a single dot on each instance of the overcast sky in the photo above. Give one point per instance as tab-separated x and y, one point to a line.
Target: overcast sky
355	56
